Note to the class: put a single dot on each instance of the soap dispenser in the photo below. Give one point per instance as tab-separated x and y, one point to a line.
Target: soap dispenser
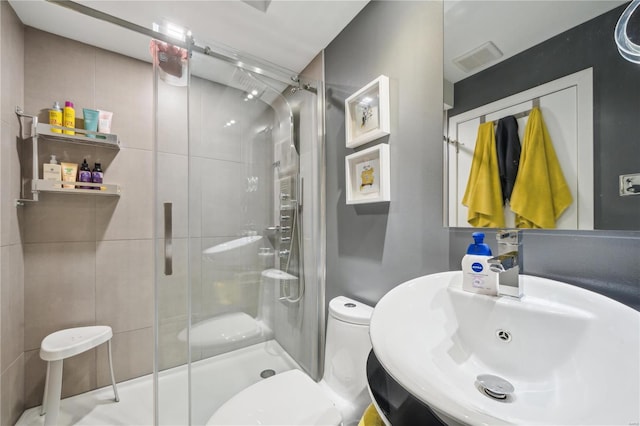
52	171
477	276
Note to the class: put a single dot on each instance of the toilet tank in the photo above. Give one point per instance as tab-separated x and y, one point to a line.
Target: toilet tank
347	347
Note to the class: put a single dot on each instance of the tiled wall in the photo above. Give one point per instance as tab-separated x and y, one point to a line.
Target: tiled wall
11	258
89	260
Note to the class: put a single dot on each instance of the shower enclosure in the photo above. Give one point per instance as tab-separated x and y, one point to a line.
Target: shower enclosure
239	272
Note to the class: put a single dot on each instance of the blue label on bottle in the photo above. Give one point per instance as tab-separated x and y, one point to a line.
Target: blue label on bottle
477	267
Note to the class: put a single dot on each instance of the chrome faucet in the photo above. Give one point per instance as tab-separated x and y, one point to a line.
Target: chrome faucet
508	263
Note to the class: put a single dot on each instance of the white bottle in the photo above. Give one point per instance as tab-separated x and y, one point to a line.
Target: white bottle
477	277
52	171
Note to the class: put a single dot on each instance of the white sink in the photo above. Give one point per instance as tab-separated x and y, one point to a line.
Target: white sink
573	355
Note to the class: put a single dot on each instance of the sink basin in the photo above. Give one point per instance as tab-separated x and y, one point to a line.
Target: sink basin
571	356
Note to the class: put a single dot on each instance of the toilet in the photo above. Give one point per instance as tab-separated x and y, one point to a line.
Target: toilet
293	398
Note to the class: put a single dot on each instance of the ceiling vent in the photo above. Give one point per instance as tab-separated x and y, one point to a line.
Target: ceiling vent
478	57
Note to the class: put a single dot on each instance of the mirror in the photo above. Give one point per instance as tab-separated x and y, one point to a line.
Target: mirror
535	43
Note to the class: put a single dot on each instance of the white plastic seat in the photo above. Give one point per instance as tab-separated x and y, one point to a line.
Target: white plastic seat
63	344
289	398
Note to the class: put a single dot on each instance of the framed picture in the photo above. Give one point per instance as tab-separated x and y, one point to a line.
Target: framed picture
367	175
367	113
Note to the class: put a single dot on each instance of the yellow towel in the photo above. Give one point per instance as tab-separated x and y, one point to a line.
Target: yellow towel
540	193
371	417
483	195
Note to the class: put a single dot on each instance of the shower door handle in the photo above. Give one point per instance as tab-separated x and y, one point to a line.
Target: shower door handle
168	236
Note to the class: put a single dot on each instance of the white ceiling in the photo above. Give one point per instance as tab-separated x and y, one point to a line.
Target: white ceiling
291	33
513	26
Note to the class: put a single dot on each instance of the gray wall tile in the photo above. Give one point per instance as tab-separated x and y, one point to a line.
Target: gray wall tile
172	119
124	284
10	178
12	64
11	262
59	288
12	305
78	375
221	104
35	373
125	86
173	290
130	215
12	382
195	200
172	348
173	187
132	353
3	277
74	71
60	218
61	275
195	114
221	198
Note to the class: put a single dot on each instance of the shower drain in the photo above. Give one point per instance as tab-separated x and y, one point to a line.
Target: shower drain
267	373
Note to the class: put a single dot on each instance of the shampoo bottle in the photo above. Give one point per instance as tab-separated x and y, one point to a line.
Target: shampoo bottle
84	175
97	175
55	117
52	171
69	118
477	277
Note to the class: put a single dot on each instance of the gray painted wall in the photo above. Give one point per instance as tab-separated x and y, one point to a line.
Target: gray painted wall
374	247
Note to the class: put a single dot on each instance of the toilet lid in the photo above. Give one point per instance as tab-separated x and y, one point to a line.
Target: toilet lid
289	398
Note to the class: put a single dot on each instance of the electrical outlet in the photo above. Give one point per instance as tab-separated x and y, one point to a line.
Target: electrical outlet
630	184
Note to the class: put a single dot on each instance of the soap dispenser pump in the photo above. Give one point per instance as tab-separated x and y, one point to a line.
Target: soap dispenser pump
477	276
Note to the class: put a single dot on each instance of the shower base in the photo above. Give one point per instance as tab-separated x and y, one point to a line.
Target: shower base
214	381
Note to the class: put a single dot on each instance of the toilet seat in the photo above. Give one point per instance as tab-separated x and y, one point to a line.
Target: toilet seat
289	398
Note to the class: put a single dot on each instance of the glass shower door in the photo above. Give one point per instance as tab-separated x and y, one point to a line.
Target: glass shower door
172	271
236	304
243	163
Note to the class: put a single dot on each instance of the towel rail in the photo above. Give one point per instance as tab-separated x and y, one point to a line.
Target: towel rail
453	142
535	104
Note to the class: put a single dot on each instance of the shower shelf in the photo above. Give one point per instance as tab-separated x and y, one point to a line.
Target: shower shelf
42	185
103	140
82	137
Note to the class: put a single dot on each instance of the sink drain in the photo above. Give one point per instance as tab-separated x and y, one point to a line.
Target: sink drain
503	335
267	373
494	386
